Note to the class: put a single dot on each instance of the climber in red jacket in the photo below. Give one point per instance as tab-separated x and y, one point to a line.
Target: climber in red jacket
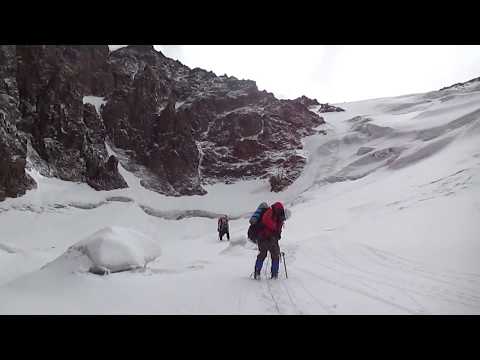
268	237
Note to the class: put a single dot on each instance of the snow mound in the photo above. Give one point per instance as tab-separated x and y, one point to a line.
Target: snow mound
8	249
115	249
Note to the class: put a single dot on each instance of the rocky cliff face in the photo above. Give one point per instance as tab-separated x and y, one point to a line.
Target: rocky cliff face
314	102
177	128
329	108
67	135
13	148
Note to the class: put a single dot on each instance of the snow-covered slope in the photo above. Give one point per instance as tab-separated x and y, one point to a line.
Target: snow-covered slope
383	220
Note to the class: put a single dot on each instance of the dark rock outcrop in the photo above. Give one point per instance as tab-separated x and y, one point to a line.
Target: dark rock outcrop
307	101
177	128
67	134
460	85
191	127
14	181
314	102
329	108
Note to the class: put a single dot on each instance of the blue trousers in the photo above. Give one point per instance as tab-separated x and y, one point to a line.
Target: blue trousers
264	246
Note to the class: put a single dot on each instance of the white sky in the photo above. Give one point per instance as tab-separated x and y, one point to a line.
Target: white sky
336	73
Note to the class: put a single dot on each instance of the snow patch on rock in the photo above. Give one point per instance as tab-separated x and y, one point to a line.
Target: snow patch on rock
95	101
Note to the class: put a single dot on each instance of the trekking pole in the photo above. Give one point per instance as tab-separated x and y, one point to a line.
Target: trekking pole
265	270
284	264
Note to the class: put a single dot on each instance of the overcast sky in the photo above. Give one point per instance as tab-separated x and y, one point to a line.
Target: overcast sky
334	73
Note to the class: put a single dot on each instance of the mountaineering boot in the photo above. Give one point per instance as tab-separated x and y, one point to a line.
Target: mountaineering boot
258	268
275	266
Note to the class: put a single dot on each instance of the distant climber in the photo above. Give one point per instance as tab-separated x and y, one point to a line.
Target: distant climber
223	227
267	237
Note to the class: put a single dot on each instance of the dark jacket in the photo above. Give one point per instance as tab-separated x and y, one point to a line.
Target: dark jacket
222	224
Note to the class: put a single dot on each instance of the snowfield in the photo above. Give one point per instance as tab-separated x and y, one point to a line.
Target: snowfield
384	220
